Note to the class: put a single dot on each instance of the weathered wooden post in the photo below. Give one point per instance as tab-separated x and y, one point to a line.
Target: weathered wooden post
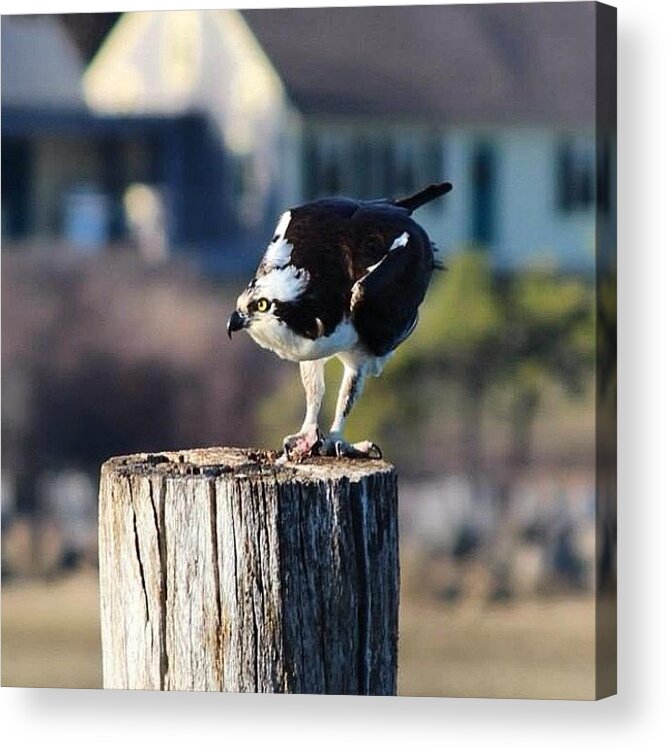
220	570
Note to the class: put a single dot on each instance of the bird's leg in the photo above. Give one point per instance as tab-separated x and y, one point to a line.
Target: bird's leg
302	443
353	380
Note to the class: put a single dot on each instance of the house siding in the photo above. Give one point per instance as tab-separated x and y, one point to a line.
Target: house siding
526	224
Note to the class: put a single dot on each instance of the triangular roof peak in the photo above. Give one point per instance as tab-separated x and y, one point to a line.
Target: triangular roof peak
174	62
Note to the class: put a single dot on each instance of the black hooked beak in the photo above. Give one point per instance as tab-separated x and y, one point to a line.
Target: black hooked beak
237	321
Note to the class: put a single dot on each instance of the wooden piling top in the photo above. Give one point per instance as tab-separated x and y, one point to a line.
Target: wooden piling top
243	462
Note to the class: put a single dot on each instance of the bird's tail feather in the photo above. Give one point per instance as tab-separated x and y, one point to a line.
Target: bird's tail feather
424	196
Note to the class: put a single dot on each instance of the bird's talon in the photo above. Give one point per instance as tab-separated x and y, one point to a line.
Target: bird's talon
374	451
300	446
342	449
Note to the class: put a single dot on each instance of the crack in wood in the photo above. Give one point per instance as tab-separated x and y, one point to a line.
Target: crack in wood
219	657
138	550
360	549
254	585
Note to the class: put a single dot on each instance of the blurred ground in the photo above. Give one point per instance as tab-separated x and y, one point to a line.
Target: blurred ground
107	356
50	633
535	649
541	648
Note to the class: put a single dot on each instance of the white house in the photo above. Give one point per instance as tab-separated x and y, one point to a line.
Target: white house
501	99
377	101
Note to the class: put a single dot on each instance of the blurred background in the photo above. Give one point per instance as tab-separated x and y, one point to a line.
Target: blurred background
145	160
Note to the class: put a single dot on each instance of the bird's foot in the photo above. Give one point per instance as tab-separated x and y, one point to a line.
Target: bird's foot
334	445
301	445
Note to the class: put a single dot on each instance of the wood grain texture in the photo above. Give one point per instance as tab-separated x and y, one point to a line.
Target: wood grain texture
220	570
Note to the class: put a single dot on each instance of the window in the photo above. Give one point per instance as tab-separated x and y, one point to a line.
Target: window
246	190
16	187
604	175
484	182
323	167
575	174
371	162
310	166
433	152
407	166
364	165
418	161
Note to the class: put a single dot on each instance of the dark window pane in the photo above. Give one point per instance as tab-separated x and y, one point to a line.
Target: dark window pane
16	179
330	177
484	186
433	158
310	166
575	174
387	186
604	176
363	166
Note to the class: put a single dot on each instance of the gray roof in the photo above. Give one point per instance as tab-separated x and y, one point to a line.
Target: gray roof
522	62
40	64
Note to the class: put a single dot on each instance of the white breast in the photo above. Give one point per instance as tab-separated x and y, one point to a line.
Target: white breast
275	335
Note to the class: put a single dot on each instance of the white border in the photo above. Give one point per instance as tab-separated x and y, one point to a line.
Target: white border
101	719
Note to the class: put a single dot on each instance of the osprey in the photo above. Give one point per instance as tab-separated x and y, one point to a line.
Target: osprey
341	278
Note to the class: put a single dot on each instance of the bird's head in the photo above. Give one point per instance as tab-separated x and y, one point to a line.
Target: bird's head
253	307
266	299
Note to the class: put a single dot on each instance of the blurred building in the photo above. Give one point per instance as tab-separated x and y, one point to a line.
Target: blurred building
88	178
498	98
237	169
223	117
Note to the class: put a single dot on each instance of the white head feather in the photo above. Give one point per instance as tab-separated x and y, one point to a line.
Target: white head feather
284	284
278	252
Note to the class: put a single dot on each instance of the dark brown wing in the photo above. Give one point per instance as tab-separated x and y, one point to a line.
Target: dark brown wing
385	299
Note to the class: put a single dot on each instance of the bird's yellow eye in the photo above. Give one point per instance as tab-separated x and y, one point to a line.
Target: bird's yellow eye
263	304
